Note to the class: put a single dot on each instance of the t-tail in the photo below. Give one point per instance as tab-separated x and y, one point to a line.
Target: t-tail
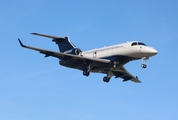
64	44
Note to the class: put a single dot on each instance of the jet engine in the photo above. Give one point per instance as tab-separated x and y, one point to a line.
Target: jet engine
75	51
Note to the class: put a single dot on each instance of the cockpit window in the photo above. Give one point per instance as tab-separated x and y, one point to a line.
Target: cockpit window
134	44
139	43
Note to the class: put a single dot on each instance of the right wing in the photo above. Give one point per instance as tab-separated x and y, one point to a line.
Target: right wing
123	73
65	56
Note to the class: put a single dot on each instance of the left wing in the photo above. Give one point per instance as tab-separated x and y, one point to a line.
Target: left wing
67	56
123	73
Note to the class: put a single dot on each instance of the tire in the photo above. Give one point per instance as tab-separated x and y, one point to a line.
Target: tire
144	65
86	73
105	79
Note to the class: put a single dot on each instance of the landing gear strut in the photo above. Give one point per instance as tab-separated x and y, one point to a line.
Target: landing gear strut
144	62
108	77
86	72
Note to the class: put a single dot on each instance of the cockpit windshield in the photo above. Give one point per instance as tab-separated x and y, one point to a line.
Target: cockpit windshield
134	44
137	43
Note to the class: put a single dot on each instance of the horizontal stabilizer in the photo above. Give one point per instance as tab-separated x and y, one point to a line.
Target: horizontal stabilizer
48	36
64	43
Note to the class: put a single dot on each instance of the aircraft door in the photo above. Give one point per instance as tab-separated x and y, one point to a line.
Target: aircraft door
95	54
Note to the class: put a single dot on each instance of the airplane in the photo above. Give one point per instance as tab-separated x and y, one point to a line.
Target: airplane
108	60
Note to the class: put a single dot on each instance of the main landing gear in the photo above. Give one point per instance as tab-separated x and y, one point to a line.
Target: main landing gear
86	72
108	77
144	62
105	79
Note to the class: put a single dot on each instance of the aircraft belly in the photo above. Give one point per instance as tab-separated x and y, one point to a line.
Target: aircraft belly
82	66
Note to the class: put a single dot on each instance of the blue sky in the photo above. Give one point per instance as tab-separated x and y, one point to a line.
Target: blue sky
36	88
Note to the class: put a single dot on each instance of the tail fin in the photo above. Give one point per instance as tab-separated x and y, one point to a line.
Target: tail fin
64	44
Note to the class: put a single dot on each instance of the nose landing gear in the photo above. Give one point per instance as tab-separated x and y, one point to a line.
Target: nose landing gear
144	65
144	62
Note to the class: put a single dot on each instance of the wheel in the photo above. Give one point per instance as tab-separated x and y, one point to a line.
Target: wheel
86	73
144	65
105	79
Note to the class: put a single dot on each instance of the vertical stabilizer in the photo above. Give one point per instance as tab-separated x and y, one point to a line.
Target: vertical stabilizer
63	43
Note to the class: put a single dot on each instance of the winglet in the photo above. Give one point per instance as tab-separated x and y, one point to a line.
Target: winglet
34	33
21	43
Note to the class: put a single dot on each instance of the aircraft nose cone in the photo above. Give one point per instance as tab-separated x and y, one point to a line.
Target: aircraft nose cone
154	52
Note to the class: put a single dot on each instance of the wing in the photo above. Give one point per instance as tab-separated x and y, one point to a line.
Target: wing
64	56
123	73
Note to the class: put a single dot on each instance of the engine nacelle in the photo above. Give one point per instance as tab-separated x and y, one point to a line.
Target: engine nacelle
75	51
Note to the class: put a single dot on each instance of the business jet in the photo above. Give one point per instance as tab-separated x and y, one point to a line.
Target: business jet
107	60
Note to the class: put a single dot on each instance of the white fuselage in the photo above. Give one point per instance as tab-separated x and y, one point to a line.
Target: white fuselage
107	60
129	49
